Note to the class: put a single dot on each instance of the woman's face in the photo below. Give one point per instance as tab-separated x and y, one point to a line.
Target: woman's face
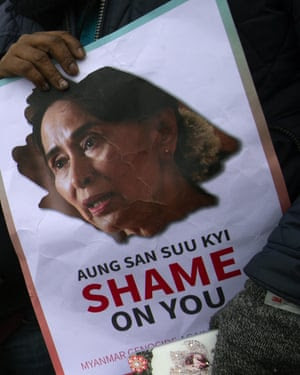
105	170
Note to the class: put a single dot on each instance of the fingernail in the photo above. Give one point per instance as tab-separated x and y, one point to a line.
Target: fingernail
73	68
63	84
81	52
45	87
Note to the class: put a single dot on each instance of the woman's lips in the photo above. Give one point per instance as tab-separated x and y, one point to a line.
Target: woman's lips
96	205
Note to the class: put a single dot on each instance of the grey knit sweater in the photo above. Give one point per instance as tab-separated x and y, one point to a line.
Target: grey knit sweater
254	338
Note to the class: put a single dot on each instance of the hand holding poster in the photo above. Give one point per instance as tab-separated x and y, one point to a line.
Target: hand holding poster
148	192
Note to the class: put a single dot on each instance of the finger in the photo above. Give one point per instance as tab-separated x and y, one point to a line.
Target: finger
61	46
36	65
73	44
17	66
30	57
43	46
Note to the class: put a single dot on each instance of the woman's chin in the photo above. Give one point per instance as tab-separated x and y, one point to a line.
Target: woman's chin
111	223
132	222
113	228
105	225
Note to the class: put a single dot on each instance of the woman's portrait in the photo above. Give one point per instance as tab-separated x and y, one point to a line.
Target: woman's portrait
121	153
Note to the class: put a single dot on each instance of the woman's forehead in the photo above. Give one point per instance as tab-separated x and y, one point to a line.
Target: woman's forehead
63	114
63	105
65	121
61	120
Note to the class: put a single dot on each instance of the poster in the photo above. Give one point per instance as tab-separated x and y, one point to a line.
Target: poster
149	256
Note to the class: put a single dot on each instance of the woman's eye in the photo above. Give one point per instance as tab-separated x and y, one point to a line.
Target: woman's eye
89	142
59	163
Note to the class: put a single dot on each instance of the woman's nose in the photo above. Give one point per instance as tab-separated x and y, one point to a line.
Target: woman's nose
82	172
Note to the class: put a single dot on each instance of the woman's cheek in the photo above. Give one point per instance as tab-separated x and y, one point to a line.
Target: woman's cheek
105	153
63	188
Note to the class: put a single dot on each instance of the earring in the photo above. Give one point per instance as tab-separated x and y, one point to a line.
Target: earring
166	150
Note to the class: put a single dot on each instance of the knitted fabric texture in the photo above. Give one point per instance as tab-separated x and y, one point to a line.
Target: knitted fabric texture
254	338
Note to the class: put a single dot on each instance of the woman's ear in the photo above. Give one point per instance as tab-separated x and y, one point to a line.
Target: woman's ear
167	132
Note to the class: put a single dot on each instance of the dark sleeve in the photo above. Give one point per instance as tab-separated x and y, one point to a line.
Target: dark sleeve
120	12
12	26
13	293
269	31
277	266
